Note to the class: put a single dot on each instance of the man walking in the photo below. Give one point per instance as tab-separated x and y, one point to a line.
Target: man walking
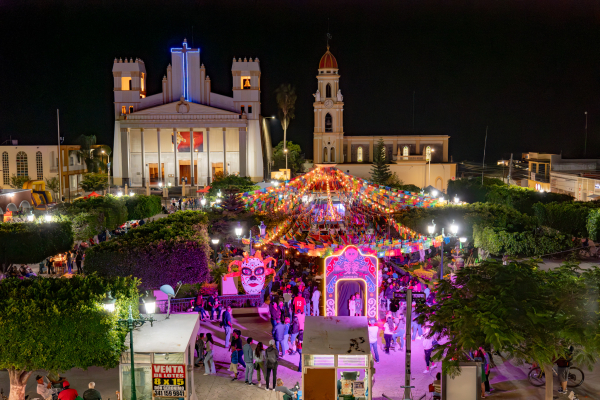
92	393
226	324
373	338
237	342
210	303
249	359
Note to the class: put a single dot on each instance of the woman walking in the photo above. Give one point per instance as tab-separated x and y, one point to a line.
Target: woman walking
388	332
209	361
259	361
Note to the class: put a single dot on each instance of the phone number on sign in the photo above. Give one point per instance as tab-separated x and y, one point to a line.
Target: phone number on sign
170	393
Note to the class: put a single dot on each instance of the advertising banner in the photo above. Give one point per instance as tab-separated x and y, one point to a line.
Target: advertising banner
168	380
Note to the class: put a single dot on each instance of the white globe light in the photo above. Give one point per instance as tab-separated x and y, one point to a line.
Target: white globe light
48	217
434	193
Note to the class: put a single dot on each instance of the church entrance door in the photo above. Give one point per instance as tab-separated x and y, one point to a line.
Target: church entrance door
185	174
155	176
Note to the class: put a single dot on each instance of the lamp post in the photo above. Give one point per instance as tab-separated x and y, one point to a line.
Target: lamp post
203	202
215	242
285	151
432	150
130	323
431	230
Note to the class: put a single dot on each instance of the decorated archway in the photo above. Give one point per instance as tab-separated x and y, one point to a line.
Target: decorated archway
351	265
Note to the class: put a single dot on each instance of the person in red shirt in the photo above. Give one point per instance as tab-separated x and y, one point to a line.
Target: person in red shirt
299	303
67	393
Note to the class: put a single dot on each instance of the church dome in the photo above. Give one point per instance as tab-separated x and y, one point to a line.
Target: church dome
328	60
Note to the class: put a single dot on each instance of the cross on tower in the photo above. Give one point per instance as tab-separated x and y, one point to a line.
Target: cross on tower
185	81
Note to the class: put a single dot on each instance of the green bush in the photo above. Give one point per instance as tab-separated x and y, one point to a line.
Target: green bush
142	206
28	243
111	210
593	224
525	244
472	190
523	199
568	217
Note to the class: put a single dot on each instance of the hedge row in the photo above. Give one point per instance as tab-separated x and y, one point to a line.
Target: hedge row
27	243
141	206
570	217
166	251
525	244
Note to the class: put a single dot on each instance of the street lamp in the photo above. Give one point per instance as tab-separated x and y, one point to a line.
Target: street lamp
238	230
119	194
215	242
275	183
30	217
432	150
130	324
149	302
109	303
453	228
434	193
285	151
456	200
263	229
203	202
48	217
462	240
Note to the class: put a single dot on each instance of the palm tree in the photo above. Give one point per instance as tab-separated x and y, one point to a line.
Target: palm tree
286	101
91	154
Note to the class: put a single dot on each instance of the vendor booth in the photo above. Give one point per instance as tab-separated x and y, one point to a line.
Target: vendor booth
164	359
336	359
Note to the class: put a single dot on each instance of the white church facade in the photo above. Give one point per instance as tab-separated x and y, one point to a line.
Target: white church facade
421	160
186	133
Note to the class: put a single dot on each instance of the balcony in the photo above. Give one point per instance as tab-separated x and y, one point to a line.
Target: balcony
409	158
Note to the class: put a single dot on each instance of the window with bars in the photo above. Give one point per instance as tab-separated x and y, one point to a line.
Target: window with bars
39	165
22	168
5	169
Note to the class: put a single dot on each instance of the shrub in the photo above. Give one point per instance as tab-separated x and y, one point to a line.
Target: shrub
523	199
27	243
142	206
470	189
111	210
499	242
165	251
567	217
593	224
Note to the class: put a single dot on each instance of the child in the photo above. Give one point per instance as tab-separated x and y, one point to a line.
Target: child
352	305
358	305
233	367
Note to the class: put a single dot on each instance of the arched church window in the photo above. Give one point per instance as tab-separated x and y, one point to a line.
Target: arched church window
39	165
359	154
428	153
328	91
22	168
130	109
405	151
123	110
5	169
332	154
328	123
325	154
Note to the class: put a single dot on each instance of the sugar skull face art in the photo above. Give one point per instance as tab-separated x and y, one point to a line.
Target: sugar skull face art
253	271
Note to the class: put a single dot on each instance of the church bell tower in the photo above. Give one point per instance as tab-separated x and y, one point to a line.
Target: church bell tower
328	137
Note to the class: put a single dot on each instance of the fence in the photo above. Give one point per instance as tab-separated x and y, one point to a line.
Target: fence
235	301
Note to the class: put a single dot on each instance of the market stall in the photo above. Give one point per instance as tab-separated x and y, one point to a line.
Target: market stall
164	359
336	359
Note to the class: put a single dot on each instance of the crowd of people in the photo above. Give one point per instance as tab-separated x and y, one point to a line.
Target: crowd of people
60	389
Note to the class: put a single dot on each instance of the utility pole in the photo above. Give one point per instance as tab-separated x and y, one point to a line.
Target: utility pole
510	168
484	146
59	163
585	142
407	353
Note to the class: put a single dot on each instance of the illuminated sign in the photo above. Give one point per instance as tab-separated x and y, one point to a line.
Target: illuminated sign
168	380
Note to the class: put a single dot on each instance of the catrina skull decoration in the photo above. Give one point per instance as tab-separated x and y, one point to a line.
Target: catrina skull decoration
253	271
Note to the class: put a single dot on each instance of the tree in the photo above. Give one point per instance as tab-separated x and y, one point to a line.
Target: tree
28	243
92	154
93	181
286	101
294	156
17	182
380	172
231	182
59	324
526	313
53	185
232	203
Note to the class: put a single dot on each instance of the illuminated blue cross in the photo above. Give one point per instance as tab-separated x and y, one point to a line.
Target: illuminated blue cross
185	81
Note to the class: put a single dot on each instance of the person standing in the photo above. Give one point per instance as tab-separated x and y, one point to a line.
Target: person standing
358	305
286	336
210	303
249	360
427	349
352	305
299	302
294	330
373	338
278	336
78	259
388	331
275	313
564	363
306	295
400	332
272	360
226	324
199	305
199	349
486	357
315	302
237	342
69	263
233	367
259	361
209	361
92	393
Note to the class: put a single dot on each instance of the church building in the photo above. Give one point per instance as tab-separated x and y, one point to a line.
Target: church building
421	160
186	133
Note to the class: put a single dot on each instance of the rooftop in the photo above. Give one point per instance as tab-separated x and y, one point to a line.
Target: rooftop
336	335
165	335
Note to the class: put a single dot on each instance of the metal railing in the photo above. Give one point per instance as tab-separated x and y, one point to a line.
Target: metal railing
186	303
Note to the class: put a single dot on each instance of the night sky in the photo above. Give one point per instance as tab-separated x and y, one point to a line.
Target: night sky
528	70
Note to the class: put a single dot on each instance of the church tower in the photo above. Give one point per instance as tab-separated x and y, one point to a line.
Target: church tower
328	137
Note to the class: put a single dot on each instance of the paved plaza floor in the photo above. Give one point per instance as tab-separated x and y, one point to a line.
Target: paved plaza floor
509	381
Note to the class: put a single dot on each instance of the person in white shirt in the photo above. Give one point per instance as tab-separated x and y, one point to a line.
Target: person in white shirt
44	389
315	300
388	330
373	338
427	349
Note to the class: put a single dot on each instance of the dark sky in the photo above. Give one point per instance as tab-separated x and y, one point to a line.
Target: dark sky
526	69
